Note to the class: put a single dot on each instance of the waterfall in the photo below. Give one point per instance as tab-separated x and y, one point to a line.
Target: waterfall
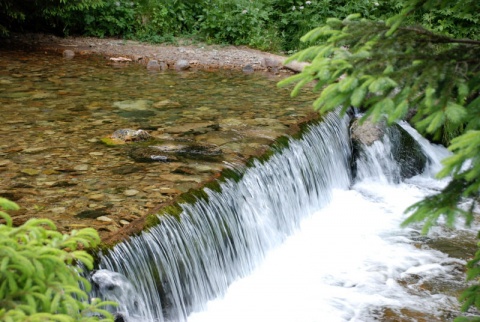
350	261
180	264
296	238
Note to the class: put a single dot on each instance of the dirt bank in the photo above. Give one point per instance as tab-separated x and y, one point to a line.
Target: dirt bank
198	55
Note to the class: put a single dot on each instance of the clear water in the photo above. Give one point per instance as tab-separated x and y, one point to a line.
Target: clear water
55	112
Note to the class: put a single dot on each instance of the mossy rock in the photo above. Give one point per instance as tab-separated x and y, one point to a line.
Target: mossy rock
407	152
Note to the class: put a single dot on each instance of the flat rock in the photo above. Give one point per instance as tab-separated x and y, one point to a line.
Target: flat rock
130	192
133	105
104	219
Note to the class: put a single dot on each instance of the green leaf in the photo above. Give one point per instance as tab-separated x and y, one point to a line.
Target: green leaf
455	113
8	205
358	95
381	84
347	84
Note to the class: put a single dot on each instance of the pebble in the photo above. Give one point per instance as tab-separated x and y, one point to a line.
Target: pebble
35	150
104	218
96	197
130	192
58	210
81	167
4	163
30	172
124	223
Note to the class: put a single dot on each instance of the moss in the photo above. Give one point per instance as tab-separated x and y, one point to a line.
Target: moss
110	142
213	185
193	195
151	220
173	210
230	174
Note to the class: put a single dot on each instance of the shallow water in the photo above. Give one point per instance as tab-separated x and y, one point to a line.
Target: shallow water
55	111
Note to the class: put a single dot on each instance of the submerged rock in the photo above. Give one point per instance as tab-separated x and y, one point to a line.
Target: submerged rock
149	154
173	151
133	105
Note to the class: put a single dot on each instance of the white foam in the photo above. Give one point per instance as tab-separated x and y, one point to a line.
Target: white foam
345	259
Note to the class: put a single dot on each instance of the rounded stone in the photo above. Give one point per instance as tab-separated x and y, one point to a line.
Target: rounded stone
182	64
153	65
81	167
96	197
130	192
104	219
248	69
68	54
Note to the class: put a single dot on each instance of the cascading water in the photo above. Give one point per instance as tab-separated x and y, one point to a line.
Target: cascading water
291	242
181	264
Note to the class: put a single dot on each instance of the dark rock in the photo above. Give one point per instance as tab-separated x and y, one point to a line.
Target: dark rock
64	184
21	186
407	152
118	317
13	196
248	69
127	169
173	151
149	154
92	214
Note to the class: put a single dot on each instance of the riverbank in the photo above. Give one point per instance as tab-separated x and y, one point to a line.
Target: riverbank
198	55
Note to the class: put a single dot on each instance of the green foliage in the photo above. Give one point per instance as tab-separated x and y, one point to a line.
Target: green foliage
265	24
167	18
114	18
38	279
294	18
391	68
240	22
51	15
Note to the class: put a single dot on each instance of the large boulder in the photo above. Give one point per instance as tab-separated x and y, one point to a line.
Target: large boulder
405	150
116	287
